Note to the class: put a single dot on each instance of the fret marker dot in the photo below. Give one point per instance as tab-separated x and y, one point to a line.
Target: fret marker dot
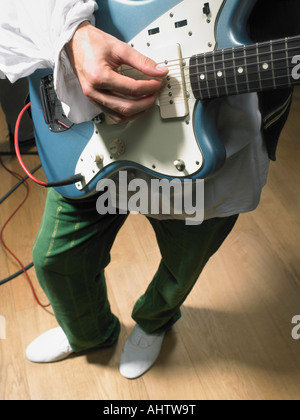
241	70
265	66
220	74
202	76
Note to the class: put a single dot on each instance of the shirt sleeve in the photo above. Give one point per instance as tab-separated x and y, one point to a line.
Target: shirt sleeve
33	34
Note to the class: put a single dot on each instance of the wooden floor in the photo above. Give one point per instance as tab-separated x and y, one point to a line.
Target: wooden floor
234	340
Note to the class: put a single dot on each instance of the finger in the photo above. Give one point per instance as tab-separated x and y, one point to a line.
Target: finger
125	107
118	118
127	86
146	65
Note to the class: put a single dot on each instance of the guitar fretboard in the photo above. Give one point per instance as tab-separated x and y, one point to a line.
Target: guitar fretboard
250	68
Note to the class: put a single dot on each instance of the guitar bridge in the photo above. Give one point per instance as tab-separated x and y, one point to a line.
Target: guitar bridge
173	99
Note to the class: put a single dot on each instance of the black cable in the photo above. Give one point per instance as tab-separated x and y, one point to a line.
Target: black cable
67	181
13	276
18	185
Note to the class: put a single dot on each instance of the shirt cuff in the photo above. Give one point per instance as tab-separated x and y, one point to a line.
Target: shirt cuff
75	104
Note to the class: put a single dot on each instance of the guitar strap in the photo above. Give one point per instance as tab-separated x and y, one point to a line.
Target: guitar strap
272	22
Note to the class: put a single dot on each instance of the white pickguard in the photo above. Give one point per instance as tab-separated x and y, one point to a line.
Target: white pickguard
166	133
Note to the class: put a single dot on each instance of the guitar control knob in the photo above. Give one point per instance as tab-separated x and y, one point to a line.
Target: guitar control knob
117	147
179	164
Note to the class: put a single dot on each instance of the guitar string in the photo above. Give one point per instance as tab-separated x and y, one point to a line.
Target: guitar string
233	68
235	57
237	86
224	68
246	73
232	51
82	132
257	46
225	76
224	60
165	98
215	71
222	82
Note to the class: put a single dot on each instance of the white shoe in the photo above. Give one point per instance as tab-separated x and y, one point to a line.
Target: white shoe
52	346
140	353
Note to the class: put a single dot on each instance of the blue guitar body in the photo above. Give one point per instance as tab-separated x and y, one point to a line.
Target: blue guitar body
212	26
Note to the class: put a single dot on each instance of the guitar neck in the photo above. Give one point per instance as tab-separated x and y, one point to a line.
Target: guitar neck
251	68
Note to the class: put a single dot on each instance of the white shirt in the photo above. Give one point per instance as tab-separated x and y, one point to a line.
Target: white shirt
33	34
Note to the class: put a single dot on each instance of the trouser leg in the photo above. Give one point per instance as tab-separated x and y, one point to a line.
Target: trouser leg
70	253
185	251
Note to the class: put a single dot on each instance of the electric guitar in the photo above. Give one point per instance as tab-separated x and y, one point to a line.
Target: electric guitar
209	55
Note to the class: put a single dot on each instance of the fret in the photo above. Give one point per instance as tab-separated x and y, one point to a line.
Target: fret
198	80
210	75
272	64
231	81
258	68
215	73
220	73
194	80
265	66
281	64
208	92
253	75
246	69
225	74
234	71
287	62
198	77
240	70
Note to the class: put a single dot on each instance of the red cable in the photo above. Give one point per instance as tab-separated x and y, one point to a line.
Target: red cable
4	226
17	149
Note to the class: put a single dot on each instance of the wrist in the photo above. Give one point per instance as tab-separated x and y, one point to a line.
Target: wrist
78	36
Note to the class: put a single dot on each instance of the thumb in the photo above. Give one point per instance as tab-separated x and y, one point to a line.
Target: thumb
145	64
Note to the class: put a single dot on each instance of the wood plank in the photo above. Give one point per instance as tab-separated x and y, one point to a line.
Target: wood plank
234	339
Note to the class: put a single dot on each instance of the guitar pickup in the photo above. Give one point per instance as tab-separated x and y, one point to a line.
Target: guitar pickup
153	31
173	99
181	24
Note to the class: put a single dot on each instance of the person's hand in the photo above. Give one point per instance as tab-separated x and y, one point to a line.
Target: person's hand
95	56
